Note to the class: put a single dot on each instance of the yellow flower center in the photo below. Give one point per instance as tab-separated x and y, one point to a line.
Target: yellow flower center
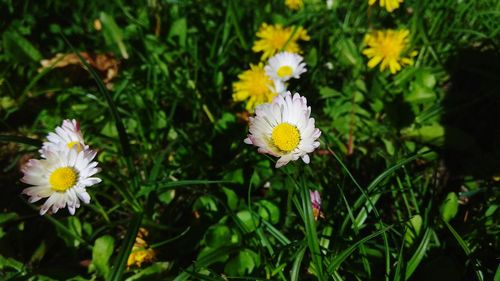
73	144
391	48
279	39
285	71
387	48
286	137
63	178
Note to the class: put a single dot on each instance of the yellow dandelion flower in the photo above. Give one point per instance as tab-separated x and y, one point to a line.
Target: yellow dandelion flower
390	5
294	4
138	256
389	48
275	38
254	86
141	253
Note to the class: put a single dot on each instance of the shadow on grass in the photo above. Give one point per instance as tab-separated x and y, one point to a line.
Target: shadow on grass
472	113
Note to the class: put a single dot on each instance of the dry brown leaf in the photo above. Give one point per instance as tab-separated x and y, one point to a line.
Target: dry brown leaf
105	64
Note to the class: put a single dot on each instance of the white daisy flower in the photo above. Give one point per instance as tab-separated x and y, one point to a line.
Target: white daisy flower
67	136
284	66
283	129
279	87
62	177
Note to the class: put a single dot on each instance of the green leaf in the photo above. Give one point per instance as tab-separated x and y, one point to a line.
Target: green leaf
18	48
6	217
413	227
425	78
347	53
235	176
218	235
205	203
327	92
269	211
209	252
39	253
248	221
389	147
67	232
150	271
109	130
232	198
11	263
112	33
420	94
312	57
449	207
6	103
431	134
242	264
167	196
73	229
225	120
179	29
102	251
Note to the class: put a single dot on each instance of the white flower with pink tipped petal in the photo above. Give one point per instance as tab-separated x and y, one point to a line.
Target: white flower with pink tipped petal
62	177
67	136
283	128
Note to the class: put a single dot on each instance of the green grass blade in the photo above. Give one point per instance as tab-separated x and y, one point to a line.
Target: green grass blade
122	134
21	140
368	204
340	258
165	186
278	235
419	254
236	25
295	271
121	260
159	244
311	234
336	276
204	262
66	230
466	249
497	274
400	264
392	169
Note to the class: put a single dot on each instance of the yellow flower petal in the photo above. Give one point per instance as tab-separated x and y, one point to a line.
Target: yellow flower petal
294	4
254	87
374	61
390	5
275	38
389	49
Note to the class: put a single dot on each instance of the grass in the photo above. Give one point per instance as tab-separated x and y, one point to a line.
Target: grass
170	143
